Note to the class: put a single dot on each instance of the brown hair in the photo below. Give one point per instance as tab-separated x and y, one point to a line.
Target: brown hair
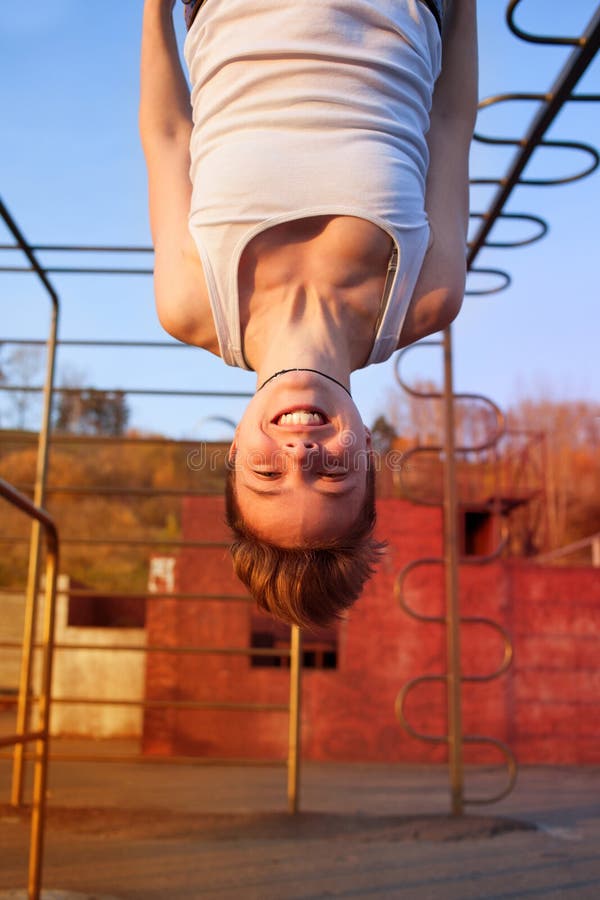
305	585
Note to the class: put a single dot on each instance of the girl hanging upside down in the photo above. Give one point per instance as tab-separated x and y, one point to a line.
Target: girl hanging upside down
308	206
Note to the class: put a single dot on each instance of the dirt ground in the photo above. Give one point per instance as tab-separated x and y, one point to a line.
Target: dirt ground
148	830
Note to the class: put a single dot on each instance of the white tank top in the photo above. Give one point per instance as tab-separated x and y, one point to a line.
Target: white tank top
307	108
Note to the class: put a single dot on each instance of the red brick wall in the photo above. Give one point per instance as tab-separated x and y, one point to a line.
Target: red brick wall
545	707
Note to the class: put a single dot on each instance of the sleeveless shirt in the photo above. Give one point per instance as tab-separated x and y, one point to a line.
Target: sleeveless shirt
309	108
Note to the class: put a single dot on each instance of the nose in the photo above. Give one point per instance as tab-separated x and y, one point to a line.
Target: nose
301	449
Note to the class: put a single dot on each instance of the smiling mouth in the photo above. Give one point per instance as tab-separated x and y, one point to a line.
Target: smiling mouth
301	416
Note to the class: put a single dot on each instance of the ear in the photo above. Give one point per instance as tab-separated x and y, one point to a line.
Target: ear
368	437
232	451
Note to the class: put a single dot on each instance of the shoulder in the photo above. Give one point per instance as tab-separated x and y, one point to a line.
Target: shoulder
181	294
439	291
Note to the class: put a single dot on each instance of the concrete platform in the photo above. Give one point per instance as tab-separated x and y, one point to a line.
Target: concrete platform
150	830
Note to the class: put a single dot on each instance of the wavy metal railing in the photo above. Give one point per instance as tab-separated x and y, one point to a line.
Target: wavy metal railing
585	48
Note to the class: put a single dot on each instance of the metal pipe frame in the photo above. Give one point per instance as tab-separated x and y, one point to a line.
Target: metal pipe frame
39	499
41	736
585	49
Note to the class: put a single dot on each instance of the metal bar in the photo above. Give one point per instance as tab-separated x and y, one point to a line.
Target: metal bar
172	704
451	556
294	754
160	760
117	491
137	392
12	739
39	501
40	772
65	438
146	595
80	248
575	66
569	548
132	542
28	342
134	648
79	270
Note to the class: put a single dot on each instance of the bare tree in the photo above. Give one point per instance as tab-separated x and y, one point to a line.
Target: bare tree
23	367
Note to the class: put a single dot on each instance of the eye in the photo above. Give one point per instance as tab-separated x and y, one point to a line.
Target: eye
262	474
333	473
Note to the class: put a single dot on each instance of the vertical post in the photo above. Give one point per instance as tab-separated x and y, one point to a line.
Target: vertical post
40	774
294	748
451	558
34	566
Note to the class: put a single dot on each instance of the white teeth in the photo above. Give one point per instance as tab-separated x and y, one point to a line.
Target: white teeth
301	417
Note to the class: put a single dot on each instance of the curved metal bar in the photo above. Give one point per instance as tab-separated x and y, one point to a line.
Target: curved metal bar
508	650
511	765
566	179
524	217
401	716
562	91
26	248
481	292
399	587
42	735
488	558
31	597
536	38
435	395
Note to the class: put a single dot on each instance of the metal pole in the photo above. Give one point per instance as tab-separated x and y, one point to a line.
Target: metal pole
34	564
40	772
451	558
294	748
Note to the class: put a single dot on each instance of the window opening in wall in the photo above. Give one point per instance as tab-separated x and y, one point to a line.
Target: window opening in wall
319	647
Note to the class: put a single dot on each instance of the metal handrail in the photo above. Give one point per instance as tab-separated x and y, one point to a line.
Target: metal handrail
593	542
42	735
39	498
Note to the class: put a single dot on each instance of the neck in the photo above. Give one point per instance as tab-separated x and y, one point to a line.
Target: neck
314	371
305	334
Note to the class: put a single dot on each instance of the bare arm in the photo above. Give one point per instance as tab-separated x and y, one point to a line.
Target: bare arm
165	121
439	291
164	118
452	119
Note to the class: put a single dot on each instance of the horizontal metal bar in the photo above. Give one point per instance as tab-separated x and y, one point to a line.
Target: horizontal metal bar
126	542
143	392
136	595
149	759
171	704
81	248
72	270
145	648
88	343
117	492
12	740
8	437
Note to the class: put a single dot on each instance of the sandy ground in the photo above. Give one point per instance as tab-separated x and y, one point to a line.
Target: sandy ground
150	830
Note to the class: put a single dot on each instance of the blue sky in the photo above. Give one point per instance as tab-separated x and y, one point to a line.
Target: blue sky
71	171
